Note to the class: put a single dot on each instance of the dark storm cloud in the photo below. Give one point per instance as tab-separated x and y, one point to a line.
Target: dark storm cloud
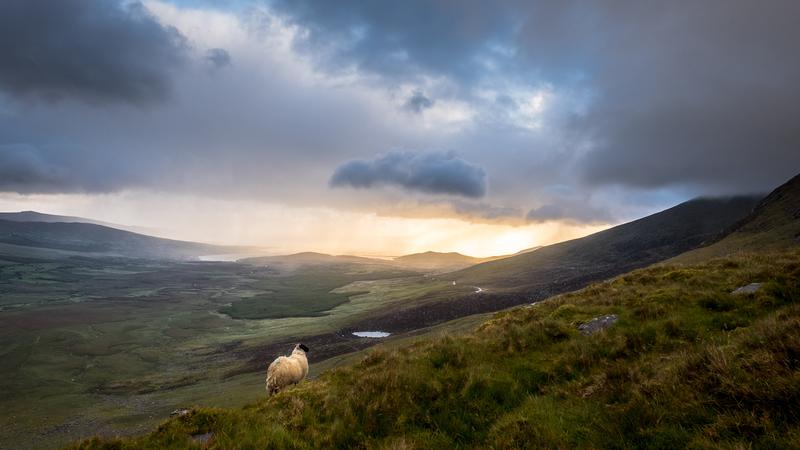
430	173
27	169
96	51
218	57
640	98
701	94
405	39
418	102
22	167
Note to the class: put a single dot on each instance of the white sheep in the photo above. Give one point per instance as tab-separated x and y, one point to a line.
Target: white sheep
286	370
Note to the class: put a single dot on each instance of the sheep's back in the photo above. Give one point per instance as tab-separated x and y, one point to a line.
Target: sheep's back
285	371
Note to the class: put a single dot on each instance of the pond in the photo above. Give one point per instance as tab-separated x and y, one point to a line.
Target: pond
371	334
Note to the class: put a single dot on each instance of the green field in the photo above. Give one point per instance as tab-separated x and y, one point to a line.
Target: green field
688	364
114	345
309	293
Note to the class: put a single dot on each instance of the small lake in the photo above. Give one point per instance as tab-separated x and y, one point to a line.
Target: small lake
371	334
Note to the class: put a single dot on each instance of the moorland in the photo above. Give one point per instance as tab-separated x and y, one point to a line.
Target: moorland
110	344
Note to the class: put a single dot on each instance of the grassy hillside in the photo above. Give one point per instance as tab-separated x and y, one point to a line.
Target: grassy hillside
97	240
554	269
572	264
687	364
773	224
113	345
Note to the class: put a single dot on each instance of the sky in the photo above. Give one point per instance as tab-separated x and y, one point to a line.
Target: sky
392	127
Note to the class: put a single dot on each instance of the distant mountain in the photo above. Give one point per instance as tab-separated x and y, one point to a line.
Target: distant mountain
773	223
311	259
426	262
70	238
440	261
34	216
573	264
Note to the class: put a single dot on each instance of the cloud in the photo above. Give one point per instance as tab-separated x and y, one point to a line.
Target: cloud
403	40
686	94
27	169
21	166
418	102
486	212
218	57
93	51
701	94
569	212
430	173
617	100
222	132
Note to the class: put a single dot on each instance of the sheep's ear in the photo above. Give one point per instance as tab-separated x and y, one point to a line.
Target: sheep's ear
303	348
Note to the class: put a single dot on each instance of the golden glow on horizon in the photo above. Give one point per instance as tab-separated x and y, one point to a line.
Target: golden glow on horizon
284	229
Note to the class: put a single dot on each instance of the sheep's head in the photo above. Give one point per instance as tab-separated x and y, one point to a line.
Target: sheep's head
302	347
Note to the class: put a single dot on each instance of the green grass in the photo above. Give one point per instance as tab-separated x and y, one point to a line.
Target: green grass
114	345
687	365
306	293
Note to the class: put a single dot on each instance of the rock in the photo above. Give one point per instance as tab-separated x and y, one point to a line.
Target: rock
180	412
751	288
202	438
597	324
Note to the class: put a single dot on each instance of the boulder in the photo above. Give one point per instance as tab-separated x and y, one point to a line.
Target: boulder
751	288
597	324
202	438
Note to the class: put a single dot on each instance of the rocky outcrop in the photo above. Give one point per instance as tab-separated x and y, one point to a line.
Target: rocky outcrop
751	288
597	324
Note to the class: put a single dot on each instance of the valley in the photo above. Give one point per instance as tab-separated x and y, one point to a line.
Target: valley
112	345
690	359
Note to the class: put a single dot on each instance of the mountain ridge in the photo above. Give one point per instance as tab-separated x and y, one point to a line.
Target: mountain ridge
36	216
100	240
773	223
618	249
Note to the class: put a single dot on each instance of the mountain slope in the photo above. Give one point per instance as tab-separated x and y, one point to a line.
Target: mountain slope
572	264
687	365
98	240
563	267
773	223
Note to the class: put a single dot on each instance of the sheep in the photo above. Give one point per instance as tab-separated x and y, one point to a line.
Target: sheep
286	370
